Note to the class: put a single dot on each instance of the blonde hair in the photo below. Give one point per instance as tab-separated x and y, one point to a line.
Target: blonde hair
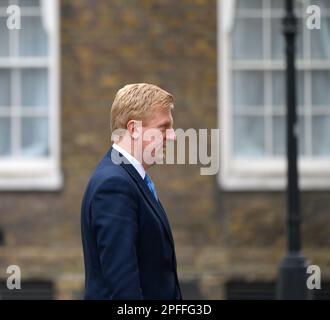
136	101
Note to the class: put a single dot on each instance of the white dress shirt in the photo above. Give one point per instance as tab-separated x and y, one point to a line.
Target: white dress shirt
134	162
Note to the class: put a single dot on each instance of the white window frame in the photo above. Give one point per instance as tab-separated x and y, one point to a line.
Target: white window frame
38	174
266	173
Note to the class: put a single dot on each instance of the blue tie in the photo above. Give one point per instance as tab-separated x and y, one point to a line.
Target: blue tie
151	186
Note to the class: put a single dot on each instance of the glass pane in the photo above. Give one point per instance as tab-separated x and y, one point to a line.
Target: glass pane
323	4
4	37
247	38
279	4
4	3
321	135
278	41
35	137
29	3
320	40
321	88
5	136
4	87
279	135
278	82
300	37
249	4
33	38
34	84
248	89
279	95
249	133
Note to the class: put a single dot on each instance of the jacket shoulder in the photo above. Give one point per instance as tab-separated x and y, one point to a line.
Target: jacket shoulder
108	175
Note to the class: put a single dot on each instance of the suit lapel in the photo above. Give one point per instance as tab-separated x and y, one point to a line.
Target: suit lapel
117	157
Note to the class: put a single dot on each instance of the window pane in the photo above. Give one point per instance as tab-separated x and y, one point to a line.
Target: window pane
4	88
33	38
4	37
278	40
247	38
35	137
29	3
279	95
248	89
4	3
5	136
321	88
279	135
249	4
320	40
34	84
278	82
323	4
321	135
249	136
278	4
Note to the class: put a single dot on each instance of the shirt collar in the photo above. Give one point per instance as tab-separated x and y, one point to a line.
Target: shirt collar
133	161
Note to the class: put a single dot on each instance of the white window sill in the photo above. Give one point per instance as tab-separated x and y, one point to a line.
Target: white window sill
233	183
30	175
271	175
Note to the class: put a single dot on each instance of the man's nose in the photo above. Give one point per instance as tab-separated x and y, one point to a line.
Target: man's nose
171	135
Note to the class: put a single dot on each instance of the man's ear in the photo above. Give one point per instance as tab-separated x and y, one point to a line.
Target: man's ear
132	129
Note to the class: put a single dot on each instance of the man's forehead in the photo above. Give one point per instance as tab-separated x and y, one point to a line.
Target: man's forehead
162	112
159	118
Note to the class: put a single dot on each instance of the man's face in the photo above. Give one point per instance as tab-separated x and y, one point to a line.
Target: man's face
157	131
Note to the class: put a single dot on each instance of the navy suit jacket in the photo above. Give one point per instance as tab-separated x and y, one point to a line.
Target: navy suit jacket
127	241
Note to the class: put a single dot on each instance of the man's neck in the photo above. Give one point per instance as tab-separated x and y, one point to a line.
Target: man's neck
126	148
129	148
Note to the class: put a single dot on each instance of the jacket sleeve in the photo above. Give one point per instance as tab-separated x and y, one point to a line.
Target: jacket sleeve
114	221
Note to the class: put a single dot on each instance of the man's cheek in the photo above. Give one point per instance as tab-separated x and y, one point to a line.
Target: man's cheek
160	148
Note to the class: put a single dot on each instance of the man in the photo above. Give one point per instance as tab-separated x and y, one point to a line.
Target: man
127	241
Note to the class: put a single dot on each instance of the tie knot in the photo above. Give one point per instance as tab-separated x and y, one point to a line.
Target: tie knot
147	179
